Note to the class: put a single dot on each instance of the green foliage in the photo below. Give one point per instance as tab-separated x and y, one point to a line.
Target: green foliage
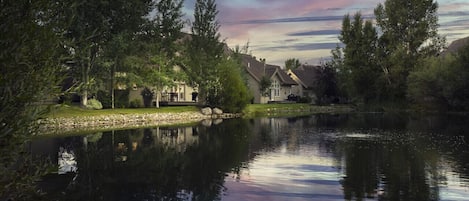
264	86
94	104
234	94
135	104
89	26
30	55
205	51
122	98
147	95
326	85
359	69
292	63
375	67
105	99
441	83
409	34
305	99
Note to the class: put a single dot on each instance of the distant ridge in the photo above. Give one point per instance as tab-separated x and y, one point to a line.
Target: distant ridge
456	45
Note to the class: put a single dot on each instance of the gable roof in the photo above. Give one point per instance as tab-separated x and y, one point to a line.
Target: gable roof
307	75
456	45
257	70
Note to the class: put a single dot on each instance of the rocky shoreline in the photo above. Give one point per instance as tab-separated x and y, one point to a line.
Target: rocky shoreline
124	121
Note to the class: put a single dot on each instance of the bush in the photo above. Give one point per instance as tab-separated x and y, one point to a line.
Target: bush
147	95
305	99
105	99
135	103
234	94
121	98
94	104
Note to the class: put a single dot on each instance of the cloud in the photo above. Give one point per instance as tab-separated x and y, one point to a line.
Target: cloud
293	20
316	46
316	32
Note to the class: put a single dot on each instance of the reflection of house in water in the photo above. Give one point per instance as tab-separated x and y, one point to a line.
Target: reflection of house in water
67	161
178	138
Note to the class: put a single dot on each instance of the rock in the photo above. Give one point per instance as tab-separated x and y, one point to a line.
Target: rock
217	111
217	121
206	122
206	111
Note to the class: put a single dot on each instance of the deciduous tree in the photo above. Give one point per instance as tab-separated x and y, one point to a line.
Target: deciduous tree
205	50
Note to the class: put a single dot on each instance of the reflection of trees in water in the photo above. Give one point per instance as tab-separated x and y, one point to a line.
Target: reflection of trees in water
399	160
401	163
156	167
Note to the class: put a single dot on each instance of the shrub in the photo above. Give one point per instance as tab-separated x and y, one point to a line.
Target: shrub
234	94
305	99
121	98
105	99
135	103
94	104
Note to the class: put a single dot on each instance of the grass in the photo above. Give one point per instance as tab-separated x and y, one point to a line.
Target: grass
64	111
259	110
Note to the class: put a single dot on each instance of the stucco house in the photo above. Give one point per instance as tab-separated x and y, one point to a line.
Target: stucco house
179	92
281	86
306	76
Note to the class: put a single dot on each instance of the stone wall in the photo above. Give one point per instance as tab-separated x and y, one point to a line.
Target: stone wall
121	121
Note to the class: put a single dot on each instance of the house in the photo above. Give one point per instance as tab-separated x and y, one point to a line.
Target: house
306	76
179	93
281	86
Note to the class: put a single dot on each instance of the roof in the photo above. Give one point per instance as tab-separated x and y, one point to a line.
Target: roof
257	70
308	75
456	45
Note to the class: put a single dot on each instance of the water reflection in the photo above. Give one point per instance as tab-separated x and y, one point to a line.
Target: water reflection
320	157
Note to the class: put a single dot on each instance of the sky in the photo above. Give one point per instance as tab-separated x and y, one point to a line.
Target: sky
307	29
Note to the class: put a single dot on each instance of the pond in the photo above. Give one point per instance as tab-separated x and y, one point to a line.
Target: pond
319	157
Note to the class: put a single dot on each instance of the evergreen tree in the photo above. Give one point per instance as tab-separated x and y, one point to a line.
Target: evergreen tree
205	51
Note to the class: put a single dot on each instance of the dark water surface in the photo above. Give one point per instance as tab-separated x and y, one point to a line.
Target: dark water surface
319	157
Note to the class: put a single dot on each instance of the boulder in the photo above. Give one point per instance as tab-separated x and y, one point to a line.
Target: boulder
206	111
217	111
207	122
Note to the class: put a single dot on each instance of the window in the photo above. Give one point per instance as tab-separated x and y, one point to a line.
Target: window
276	88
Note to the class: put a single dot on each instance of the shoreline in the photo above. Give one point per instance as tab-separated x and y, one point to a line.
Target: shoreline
118	121
63	125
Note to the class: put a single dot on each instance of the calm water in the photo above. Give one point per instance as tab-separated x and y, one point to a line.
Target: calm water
319	157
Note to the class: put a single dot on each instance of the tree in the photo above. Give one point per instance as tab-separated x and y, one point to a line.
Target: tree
89	25
441	83
234	94
30	66
359	69
407	26
292	63
169	24
205	51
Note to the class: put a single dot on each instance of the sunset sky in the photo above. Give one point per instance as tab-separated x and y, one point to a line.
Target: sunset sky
308	29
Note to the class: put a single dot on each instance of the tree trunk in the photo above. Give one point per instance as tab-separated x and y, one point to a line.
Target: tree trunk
113	72
84	94
157	92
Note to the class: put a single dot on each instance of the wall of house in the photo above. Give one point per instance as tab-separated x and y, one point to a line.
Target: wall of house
278	91
254	88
